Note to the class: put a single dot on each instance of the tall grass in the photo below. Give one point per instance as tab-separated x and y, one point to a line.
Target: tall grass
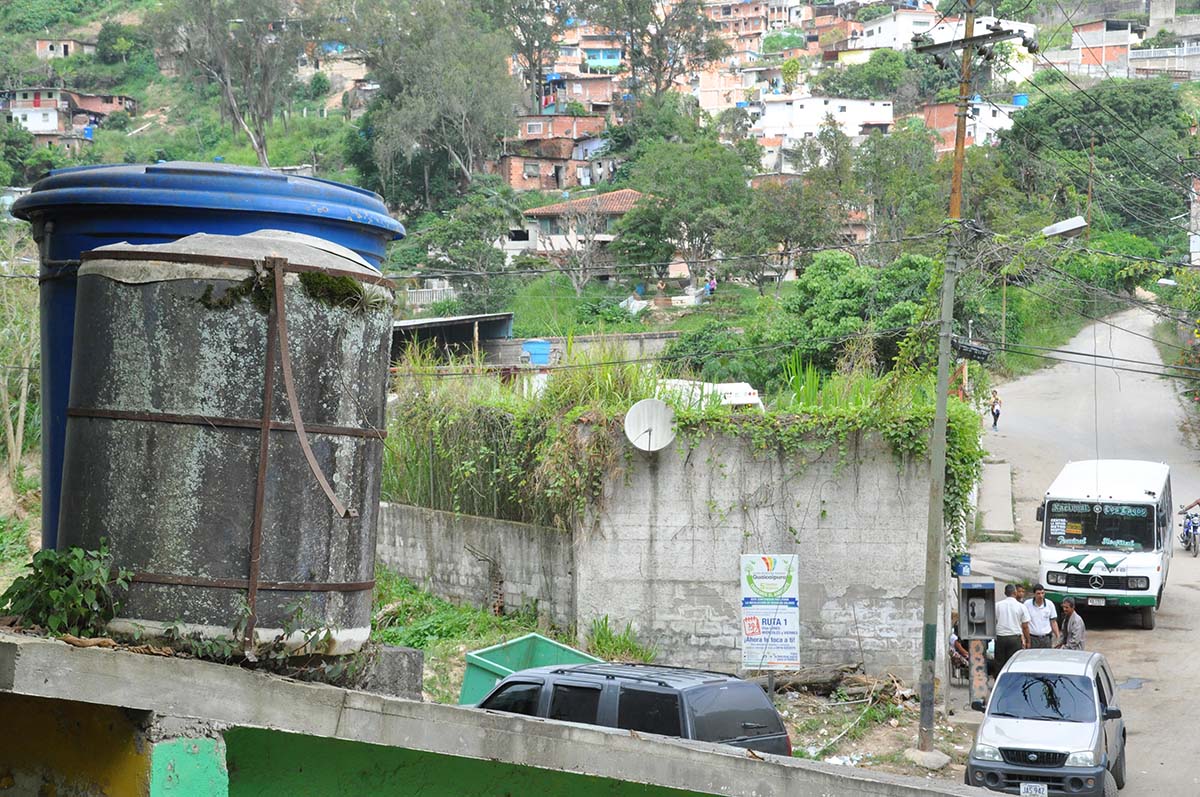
462	440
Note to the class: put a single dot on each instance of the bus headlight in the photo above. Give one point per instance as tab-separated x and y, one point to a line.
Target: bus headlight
1059	579
1139	582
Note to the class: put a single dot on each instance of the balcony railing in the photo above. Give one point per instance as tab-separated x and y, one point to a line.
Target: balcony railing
1181	51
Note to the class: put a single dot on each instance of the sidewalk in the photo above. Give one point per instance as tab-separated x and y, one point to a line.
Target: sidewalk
995	499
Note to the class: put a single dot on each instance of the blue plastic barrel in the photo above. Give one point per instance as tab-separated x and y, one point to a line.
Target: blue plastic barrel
538	351
78	209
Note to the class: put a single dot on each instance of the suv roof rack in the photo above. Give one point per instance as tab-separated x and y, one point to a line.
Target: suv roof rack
612	671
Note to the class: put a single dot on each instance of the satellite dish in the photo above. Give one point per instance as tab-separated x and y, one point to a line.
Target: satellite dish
650	425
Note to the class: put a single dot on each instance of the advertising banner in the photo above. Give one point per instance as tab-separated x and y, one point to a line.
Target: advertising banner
770	611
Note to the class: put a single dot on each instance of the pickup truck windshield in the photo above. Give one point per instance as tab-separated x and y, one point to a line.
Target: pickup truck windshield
1035	696
1115	527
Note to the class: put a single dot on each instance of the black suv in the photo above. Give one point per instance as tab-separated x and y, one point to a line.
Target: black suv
671	701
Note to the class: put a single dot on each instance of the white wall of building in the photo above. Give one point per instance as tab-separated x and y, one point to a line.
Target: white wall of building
801	117
39	120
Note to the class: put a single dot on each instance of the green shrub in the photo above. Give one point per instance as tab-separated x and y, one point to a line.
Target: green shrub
68	592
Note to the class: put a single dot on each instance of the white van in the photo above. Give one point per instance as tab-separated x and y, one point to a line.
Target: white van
1107	536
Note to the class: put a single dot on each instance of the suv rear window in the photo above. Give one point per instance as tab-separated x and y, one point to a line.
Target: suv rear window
575	703
732	711
515	698
648	711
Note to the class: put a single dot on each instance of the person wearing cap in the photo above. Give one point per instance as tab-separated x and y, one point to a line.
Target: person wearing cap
1043	619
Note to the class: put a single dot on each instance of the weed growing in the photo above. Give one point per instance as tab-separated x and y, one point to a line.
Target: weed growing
604	642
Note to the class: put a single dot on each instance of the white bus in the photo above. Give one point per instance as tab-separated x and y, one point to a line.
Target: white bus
1107	535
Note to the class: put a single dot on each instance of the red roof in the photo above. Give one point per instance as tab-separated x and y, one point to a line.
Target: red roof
614	203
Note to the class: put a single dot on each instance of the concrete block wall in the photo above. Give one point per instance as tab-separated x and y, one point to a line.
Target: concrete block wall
632	345
663	552
434	549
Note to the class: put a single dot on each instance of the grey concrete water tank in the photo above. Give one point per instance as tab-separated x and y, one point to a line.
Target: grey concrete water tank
184	448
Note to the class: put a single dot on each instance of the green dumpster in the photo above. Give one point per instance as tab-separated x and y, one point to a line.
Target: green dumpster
487	666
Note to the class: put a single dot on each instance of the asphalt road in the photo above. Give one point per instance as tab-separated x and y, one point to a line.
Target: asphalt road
1074	411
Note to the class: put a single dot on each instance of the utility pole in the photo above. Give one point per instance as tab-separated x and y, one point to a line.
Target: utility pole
934	565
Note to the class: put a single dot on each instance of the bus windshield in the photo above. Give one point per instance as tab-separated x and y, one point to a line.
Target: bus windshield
1115	527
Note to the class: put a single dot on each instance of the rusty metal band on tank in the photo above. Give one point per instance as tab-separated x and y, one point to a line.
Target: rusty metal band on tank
225	430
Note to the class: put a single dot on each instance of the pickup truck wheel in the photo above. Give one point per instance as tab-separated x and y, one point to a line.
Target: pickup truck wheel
1110	785
1118	770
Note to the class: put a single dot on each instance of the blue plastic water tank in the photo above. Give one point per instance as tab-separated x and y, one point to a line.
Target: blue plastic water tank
1020	100
78	209
538	351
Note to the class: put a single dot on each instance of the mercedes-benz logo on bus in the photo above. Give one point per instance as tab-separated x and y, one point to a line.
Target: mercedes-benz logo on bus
1096	582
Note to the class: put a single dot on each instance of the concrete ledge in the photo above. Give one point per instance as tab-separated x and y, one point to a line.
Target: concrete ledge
995	498
235	697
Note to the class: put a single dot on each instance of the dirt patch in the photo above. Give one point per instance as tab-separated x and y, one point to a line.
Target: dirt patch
869	734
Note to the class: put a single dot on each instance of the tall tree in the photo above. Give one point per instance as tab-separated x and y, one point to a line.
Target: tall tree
663	39
582	254
533	26
445	85
696	187
248	48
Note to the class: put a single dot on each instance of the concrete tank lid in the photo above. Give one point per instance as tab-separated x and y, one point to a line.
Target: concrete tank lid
183	185
297	248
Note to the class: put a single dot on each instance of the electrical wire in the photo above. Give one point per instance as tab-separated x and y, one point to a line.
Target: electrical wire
433	271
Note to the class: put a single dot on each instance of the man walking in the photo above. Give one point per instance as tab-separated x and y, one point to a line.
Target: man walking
1043	619
1074	632
1012	627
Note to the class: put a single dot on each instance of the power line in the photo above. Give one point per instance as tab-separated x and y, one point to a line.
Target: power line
429	270
1166	374
1186	188
1069	352
1115	116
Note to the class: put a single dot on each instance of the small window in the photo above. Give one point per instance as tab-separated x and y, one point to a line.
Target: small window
577	88
45	117
531	171
515	698
575	703
841	109
647	711
993	113
533	127
51	48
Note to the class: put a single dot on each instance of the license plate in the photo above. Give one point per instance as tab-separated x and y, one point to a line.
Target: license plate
1091	602
1034	790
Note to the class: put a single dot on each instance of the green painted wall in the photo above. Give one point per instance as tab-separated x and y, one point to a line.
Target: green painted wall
272	763
189	768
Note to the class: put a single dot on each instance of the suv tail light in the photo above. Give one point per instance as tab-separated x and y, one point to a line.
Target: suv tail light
788	739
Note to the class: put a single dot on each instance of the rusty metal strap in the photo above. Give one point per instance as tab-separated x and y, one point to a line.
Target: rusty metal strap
221	423
285	362
244	583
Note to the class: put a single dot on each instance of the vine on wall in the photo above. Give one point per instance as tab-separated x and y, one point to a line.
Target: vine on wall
471	444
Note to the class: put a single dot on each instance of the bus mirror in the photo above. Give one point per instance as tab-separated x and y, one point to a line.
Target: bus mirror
1041	513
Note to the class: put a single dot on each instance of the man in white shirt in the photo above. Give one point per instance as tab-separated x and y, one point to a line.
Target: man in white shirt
1043	619
1012	627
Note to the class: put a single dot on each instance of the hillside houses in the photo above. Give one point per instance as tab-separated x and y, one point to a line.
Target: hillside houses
60	117
556	151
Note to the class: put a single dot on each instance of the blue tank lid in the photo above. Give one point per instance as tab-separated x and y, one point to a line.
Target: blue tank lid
209	186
